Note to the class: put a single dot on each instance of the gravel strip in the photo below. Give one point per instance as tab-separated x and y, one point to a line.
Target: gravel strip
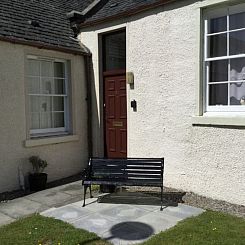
195	200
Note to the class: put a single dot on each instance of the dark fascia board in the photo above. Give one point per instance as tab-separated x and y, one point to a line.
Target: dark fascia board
74	14
43	46
125	13
81	15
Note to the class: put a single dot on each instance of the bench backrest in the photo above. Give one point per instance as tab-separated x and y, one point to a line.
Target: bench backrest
138	169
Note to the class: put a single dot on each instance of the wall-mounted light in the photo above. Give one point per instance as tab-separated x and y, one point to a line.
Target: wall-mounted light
130	78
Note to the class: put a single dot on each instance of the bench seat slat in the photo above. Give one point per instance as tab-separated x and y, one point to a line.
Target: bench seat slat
129	167
124	162
124	183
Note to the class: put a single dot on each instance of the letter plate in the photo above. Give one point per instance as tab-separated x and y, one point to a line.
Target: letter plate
117	124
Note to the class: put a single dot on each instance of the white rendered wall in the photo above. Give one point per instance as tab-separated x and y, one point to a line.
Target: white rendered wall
64	159
163	52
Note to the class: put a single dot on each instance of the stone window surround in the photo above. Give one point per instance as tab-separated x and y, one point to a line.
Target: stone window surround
64	137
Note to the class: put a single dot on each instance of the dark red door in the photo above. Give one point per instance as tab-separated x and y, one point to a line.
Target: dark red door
115	116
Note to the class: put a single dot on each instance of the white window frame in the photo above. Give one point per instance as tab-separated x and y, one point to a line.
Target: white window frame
215	13
51	131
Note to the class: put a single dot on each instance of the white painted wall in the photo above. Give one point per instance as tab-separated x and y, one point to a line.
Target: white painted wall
163	52
64	159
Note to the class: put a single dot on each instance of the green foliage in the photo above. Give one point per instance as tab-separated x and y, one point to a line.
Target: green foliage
214	228
38	230
38	164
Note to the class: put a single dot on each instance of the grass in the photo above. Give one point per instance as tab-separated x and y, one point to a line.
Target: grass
36	230
208	228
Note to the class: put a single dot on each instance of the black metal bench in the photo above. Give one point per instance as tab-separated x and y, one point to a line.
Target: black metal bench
124	172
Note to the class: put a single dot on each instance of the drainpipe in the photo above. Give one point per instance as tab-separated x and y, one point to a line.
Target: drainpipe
88	65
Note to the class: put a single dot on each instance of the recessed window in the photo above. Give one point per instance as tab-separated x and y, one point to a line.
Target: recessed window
48	97
224	59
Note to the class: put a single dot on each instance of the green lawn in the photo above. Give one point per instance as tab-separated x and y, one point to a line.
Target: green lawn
208	228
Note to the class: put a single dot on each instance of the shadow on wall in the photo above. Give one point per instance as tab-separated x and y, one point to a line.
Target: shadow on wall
94	113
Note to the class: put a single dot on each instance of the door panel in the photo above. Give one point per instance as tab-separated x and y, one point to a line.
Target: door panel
115	116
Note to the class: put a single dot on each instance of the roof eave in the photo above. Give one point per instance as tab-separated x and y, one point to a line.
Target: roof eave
125	13
43	46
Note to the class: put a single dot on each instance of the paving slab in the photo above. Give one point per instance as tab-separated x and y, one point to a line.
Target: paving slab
180	212
67	213
159	222
93	205
73	189
50	197
21	207
4	219
95	222
123	212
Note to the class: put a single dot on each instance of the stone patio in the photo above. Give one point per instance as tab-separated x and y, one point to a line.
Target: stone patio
122	223
121	218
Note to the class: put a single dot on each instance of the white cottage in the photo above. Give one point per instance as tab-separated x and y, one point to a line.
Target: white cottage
155	78
167	80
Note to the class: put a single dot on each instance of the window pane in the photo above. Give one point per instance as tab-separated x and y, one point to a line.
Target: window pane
34	104
58	104
59	69
237	93
114	51
35	120
218	24
237	21
237	69
45	103
33	85
217	45
46	68
59	121
218	94
46	85
237	42
59	86
218	71
33	67
46	120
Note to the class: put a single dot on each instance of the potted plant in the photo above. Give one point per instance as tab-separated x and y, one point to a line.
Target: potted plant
38	179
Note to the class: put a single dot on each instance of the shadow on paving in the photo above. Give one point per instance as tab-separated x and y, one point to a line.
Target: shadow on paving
136	198
123	231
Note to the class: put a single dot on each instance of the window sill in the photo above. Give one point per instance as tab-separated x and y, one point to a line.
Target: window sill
50	140
219	120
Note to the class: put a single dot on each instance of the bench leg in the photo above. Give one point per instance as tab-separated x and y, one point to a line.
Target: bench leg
90	190
84	194
161	209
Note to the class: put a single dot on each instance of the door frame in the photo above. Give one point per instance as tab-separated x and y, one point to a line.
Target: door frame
102	80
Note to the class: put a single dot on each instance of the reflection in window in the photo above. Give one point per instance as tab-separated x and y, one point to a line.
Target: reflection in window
218	94
218	45
237	69
237	21
218	25
237	42
218	71
114	51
